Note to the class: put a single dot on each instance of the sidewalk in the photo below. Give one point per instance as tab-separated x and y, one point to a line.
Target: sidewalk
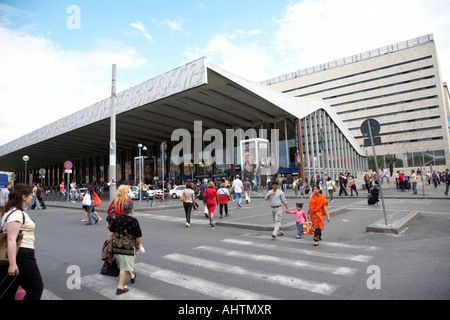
253	218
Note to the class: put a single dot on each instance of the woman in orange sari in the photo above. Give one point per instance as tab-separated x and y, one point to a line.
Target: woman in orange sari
317	209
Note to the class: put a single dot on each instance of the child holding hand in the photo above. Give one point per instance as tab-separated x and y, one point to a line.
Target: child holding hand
300	218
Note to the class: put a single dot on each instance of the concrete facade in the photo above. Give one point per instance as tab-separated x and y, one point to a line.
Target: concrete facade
399	85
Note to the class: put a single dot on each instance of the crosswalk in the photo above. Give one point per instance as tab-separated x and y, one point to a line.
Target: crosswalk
247	264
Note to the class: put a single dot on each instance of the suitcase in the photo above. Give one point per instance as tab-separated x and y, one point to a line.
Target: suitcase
370	199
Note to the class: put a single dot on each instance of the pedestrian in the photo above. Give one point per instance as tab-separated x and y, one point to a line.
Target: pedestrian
90	206
247	190
300	217
401	181
277	199
237	189
189	202
435	178
118	201
295	186
269	184
73	191
447	181
375	193
4	197
413	180
62	192
93	210
367	182
125	234
34	200
317	209
24	264
145	192
301	188
352	185
40	196
212	199
342	184
224	196
330	188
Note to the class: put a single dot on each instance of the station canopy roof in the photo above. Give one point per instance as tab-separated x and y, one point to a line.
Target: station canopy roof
148	113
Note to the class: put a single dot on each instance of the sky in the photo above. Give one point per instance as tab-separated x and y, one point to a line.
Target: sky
56	56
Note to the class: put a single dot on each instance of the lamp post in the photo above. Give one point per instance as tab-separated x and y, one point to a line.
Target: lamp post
26	159
141	168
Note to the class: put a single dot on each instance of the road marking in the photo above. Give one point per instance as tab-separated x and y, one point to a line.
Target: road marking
288	281
210	288
299	264
314	253
48	295
107	286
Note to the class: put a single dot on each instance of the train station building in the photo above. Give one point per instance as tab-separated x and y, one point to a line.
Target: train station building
306	135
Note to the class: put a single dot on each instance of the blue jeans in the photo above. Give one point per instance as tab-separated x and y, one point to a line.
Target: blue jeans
90	215
74	194
238	197
36	202
63	196
299	229
414	187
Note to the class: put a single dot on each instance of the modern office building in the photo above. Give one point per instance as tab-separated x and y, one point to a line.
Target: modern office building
197	100
399	85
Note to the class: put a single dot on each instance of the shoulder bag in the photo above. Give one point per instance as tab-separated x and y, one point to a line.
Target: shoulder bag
4	261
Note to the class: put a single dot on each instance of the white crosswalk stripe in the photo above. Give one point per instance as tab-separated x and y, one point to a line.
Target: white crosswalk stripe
210	288
293	282
332	255
300	264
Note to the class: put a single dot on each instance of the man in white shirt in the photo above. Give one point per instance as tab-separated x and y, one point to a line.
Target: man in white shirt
237	188
4	197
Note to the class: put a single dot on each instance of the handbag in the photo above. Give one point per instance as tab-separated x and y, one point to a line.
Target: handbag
6	283
308	229
86	199
183	197
111	270
4	261
97	200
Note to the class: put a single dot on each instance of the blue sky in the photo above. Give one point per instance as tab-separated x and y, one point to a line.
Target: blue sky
48	70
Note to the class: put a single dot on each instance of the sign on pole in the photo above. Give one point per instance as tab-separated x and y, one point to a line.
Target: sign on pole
371	128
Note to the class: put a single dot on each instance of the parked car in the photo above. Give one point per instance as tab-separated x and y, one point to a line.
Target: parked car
177	192
134	193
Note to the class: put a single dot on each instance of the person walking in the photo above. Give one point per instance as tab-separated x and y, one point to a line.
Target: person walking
352	185
118	201
300	217
40	196
413	180
90	207
224	196
212	199
301	188
277	200
73	191
4	197
342	184
247	190
189	202
317	209
330	188
125	234
34	200
24	264
447	181
237	189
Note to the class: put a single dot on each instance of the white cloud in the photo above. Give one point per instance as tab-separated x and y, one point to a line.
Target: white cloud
140	27
234	53
317	31
40	82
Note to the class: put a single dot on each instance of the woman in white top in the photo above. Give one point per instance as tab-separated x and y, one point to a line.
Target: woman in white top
24	263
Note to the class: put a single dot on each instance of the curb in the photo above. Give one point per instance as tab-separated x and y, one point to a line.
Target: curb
397	223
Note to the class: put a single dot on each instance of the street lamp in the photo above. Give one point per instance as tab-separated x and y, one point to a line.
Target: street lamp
141	168
25	159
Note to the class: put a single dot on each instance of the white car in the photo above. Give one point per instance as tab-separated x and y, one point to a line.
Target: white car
177	192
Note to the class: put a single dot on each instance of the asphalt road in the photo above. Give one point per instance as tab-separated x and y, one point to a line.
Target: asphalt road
201	263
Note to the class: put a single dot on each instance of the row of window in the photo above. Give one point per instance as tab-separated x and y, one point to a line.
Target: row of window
359	73
416	159
370	80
